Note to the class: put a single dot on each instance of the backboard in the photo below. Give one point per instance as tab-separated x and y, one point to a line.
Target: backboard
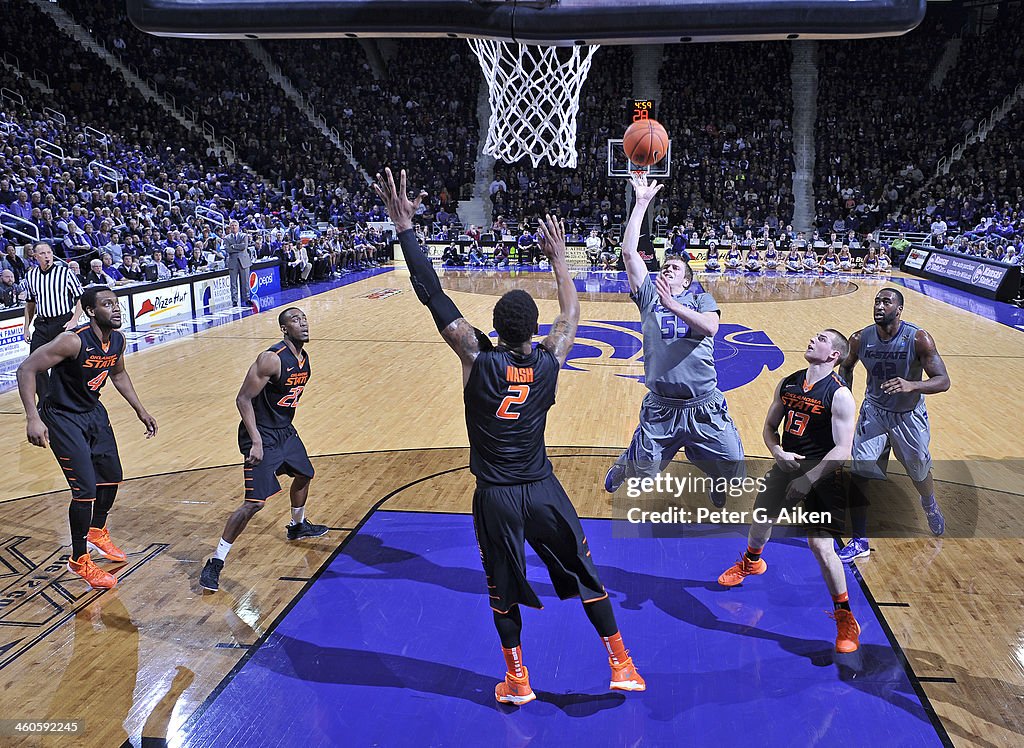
542	22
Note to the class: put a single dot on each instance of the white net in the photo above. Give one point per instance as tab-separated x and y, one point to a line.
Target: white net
534	98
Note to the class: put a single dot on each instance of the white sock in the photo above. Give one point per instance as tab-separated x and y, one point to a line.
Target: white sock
222	549
298	514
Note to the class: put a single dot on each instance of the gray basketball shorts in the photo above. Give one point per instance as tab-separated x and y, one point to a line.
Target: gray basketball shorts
907	433
700	426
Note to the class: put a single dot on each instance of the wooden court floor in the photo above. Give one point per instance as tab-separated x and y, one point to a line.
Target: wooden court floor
384	412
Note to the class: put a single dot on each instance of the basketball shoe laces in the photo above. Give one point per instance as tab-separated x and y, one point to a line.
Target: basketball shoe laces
91	573
846	624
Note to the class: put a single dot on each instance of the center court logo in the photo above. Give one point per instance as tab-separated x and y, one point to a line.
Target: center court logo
741	354
38	595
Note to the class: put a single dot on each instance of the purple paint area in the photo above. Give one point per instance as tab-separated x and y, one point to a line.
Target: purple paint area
997	311
741	354
393	645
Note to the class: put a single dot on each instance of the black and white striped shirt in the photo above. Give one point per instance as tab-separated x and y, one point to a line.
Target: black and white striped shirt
54	292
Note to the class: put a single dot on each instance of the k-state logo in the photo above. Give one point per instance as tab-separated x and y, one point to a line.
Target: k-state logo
741	354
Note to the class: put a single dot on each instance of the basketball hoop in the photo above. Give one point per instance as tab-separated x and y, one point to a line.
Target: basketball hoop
534	97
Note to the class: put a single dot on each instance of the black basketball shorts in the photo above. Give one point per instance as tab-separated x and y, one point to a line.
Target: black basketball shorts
85	448
283	454
827	500
507	517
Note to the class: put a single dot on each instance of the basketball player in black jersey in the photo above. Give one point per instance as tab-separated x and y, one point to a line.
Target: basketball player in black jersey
74	423
271	445
507	392
818	414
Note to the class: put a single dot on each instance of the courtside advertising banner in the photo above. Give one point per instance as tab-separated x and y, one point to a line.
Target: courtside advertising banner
154	307
12	342
916	258
264	281
212	294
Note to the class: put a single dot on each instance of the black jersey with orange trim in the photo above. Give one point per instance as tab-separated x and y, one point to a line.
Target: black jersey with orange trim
507	399
75	383
807	426
276	403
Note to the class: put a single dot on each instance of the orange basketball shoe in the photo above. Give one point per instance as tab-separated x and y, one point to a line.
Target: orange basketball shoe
99	541
515	690
94	576
625	677
847	631
742	569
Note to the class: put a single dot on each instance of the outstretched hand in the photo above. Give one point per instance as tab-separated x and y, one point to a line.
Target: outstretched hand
551	236
396	199
644	190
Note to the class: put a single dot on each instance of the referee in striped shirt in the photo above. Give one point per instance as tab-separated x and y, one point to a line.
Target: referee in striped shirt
54	302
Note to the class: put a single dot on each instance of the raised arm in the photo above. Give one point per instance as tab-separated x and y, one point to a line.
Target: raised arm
847	365
636	268
65	345
461	336
266	366
552	241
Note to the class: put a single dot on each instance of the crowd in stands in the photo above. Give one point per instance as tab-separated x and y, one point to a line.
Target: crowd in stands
421	112
877	155
520	193
88	214
414	103
425	97
981	208
732	153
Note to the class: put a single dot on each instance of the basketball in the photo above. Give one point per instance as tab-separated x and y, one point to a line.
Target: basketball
645	142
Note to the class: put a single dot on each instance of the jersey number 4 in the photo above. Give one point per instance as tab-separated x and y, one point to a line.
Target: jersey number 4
517	396
291	400
97	381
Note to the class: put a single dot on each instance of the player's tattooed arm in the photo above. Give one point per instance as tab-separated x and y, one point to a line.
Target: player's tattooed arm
847	364
551	233
559	341
464	339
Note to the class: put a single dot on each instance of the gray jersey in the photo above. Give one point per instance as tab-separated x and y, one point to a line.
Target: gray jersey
887	359
678	363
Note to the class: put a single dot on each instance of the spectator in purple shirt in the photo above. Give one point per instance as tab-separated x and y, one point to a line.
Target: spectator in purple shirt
180	261
22	207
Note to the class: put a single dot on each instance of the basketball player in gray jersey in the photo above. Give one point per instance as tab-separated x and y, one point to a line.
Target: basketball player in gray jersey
893	413
684	408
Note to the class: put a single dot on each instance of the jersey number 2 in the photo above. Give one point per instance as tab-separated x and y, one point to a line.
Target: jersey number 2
517	396
291	400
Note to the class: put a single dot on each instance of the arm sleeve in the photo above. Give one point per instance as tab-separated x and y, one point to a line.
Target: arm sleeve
426	283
